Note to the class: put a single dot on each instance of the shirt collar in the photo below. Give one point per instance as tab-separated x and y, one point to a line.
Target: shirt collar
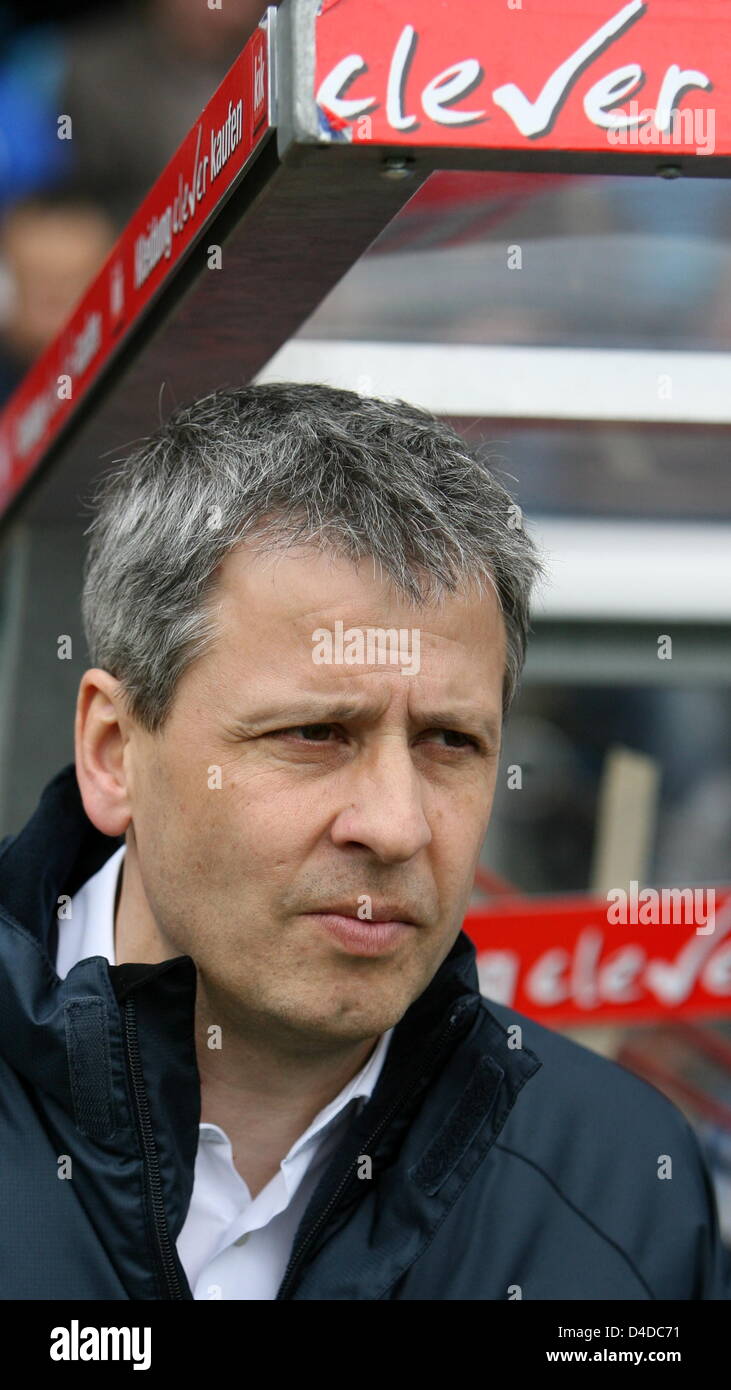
360	1088
88	930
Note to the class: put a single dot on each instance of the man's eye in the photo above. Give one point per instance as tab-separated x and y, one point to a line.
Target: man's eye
319	733
313	733
463	740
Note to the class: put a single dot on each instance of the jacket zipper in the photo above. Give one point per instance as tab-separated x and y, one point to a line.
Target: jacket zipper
296	1258
151	1161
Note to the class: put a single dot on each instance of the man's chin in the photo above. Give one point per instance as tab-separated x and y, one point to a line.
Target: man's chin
342	1023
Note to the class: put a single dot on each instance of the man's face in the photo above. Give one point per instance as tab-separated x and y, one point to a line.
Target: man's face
281	787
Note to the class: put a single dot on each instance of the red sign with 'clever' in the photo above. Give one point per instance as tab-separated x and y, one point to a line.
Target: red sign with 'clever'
599	75
580	960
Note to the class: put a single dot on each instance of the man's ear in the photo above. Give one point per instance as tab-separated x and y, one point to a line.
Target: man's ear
100	739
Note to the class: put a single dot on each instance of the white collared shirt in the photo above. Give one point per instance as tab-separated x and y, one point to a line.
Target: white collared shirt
231	1246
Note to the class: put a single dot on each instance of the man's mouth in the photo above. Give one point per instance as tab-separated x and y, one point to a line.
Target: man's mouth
378	933
375	912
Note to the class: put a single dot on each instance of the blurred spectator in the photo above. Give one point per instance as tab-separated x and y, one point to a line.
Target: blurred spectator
51	246
135	83
31	155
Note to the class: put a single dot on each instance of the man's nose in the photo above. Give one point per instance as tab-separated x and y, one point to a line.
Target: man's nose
384	807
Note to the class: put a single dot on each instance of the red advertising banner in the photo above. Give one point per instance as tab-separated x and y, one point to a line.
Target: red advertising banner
580	960
198	177
600	75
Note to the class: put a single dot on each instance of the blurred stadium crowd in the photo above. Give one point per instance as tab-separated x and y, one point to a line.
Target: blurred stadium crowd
94	100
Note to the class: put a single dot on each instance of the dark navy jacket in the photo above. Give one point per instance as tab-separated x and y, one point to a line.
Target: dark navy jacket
498	1171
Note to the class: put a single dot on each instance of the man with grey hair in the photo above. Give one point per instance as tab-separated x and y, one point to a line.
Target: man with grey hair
239	1013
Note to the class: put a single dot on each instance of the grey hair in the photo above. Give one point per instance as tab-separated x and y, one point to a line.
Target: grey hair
284	464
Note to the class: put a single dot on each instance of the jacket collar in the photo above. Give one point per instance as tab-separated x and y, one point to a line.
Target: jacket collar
48	1031
55	853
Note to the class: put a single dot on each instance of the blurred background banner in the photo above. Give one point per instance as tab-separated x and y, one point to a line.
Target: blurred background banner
567	960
